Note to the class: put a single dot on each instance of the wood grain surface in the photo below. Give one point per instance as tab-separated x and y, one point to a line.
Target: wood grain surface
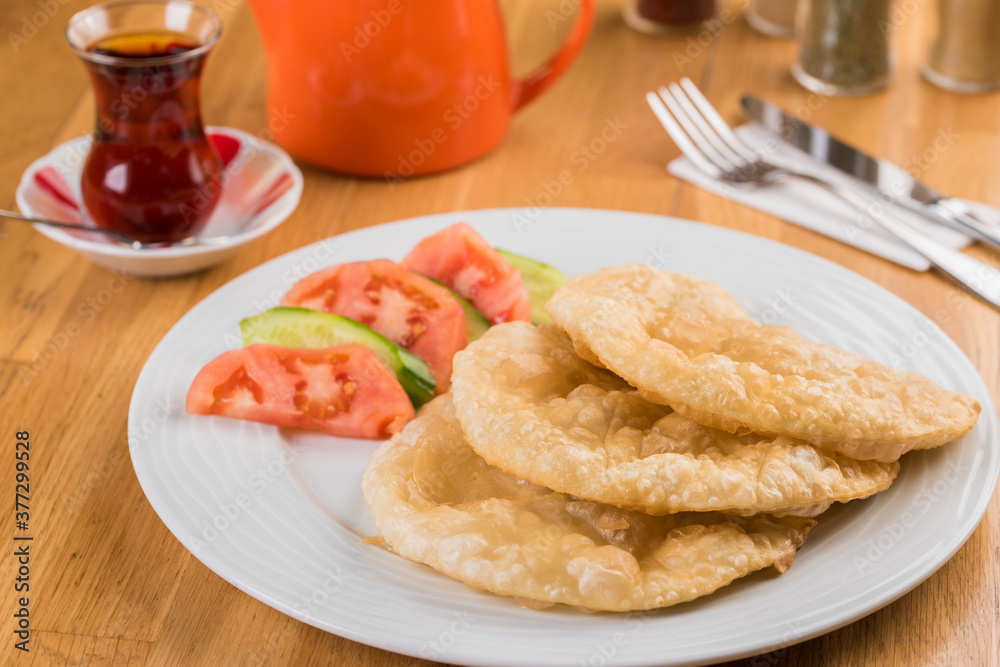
109	583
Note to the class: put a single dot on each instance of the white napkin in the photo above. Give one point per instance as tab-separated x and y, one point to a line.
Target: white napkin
814	208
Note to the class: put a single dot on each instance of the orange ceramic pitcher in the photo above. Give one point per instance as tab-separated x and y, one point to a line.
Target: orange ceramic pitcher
394	88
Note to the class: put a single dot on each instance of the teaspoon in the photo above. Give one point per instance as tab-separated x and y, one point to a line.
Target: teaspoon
118	237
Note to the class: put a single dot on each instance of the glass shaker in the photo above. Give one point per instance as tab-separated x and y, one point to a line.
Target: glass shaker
965	56
843	46
662	16
774	18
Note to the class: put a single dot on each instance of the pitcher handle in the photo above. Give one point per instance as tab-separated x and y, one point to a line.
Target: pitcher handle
535	83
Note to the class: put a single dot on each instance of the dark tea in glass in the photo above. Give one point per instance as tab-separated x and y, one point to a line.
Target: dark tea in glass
151	172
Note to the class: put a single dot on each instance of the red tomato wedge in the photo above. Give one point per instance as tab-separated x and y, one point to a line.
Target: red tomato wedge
345	391
406	308
462	259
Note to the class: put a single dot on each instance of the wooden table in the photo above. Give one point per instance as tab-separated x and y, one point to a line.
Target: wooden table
111	585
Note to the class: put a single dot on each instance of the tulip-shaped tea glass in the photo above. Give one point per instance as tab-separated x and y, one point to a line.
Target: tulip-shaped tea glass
151	172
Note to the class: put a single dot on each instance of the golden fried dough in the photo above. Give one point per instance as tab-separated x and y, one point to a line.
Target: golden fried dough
686	343
437	502
530	406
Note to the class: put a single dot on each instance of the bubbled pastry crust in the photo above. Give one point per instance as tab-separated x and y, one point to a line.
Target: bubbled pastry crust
530	406
437	502
686	343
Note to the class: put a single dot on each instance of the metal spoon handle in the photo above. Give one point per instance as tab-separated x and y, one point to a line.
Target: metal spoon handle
68	225
120	238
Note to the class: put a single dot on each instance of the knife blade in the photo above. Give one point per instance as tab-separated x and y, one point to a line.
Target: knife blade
895	184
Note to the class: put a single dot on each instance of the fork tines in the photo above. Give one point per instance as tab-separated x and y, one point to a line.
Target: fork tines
698	129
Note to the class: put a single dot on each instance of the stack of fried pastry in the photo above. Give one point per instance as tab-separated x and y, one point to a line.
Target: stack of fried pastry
654	446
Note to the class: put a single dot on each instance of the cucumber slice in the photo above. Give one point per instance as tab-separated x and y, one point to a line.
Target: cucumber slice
304	328
475	322
541	280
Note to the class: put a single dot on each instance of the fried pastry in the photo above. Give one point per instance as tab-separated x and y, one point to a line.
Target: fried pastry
530	406
686	343
437	502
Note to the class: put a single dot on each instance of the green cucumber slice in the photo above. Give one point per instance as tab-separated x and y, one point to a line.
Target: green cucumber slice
305	328
475	322
541	280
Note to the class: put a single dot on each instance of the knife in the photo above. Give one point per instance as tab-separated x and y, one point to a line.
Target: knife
894	183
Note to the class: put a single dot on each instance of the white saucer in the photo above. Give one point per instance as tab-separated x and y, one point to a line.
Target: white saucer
262	187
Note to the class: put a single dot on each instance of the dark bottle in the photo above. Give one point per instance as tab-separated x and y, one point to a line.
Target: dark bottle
656	16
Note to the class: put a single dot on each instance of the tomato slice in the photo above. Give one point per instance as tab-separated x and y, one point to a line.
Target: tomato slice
462	259
345	390
406	308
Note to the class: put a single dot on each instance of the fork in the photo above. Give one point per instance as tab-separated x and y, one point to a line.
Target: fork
707	141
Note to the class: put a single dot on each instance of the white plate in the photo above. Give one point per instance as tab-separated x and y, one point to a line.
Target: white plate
279	514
